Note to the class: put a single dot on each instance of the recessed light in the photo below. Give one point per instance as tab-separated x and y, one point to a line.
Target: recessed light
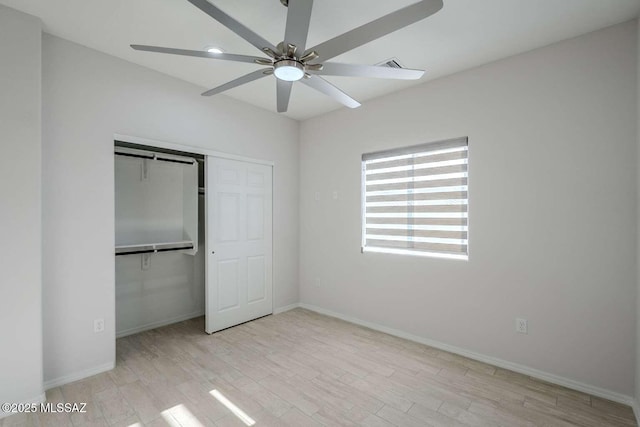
213	49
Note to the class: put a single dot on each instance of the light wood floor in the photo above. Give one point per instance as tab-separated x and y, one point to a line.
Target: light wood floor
304	369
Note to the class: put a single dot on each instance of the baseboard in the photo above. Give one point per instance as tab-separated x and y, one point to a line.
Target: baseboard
57	382
525	370
38	399
286	308
158	324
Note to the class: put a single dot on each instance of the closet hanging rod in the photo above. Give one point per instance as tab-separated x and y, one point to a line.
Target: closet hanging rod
152	251
154	157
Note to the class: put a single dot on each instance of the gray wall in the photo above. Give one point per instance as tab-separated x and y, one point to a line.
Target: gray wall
637	395
552	234
20	223
87	97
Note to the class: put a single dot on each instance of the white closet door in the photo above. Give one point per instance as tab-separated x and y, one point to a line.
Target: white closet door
239	242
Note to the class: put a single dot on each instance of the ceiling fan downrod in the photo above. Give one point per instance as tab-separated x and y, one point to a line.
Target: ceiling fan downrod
285	65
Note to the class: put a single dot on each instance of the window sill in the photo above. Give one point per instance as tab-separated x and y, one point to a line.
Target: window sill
415	253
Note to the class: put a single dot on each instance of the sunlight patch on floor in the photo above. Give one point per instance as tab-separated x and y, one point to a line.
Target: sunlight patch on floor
180	416
233	408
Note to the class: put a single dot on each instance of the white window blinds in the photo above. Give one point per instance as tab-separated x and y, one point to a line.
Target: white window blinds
415	200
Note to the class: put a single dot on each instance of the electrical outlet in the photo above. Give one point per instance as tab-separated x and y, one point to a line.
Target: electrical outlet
98	325
521	326
316	196
334	195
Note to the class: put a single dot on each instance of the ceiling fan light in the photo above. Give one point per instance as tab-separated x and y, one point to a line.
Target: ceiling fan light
289	71
213	49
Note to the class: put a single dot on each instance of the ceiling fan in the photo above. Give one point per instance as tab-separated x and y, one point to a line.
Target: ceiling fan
290	61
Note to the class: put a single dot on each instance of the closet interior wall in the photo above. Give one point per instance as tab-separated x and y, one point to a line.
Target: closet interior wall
154	204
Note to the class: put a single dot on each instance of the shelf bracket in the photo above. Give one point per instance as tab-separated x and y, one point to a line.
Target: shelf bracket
145	170
145	259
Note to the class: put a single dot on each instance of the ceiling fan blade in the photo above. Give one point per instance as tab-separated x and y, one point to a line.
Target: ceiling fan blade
232	24
298	17
373	71
376	29
321	85
284	94
198	53
237	82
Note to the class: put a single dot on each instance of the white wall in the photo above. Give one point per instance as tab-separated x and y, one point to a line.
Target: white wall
20	223
87	97
552	158
637	395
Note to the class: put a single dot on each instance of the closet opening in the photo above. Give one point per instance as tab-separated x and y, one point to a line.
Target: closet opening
159	236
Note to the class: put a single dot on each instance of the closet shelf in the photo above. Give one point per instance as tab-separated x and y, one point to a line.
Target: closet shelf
148	248
154	156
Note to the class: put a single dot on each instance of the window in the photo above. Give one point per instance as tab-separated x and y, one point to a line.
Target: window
415	200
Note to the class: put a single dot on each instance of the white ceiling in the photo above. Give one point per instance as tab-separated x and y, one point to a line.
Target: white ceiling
464	34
